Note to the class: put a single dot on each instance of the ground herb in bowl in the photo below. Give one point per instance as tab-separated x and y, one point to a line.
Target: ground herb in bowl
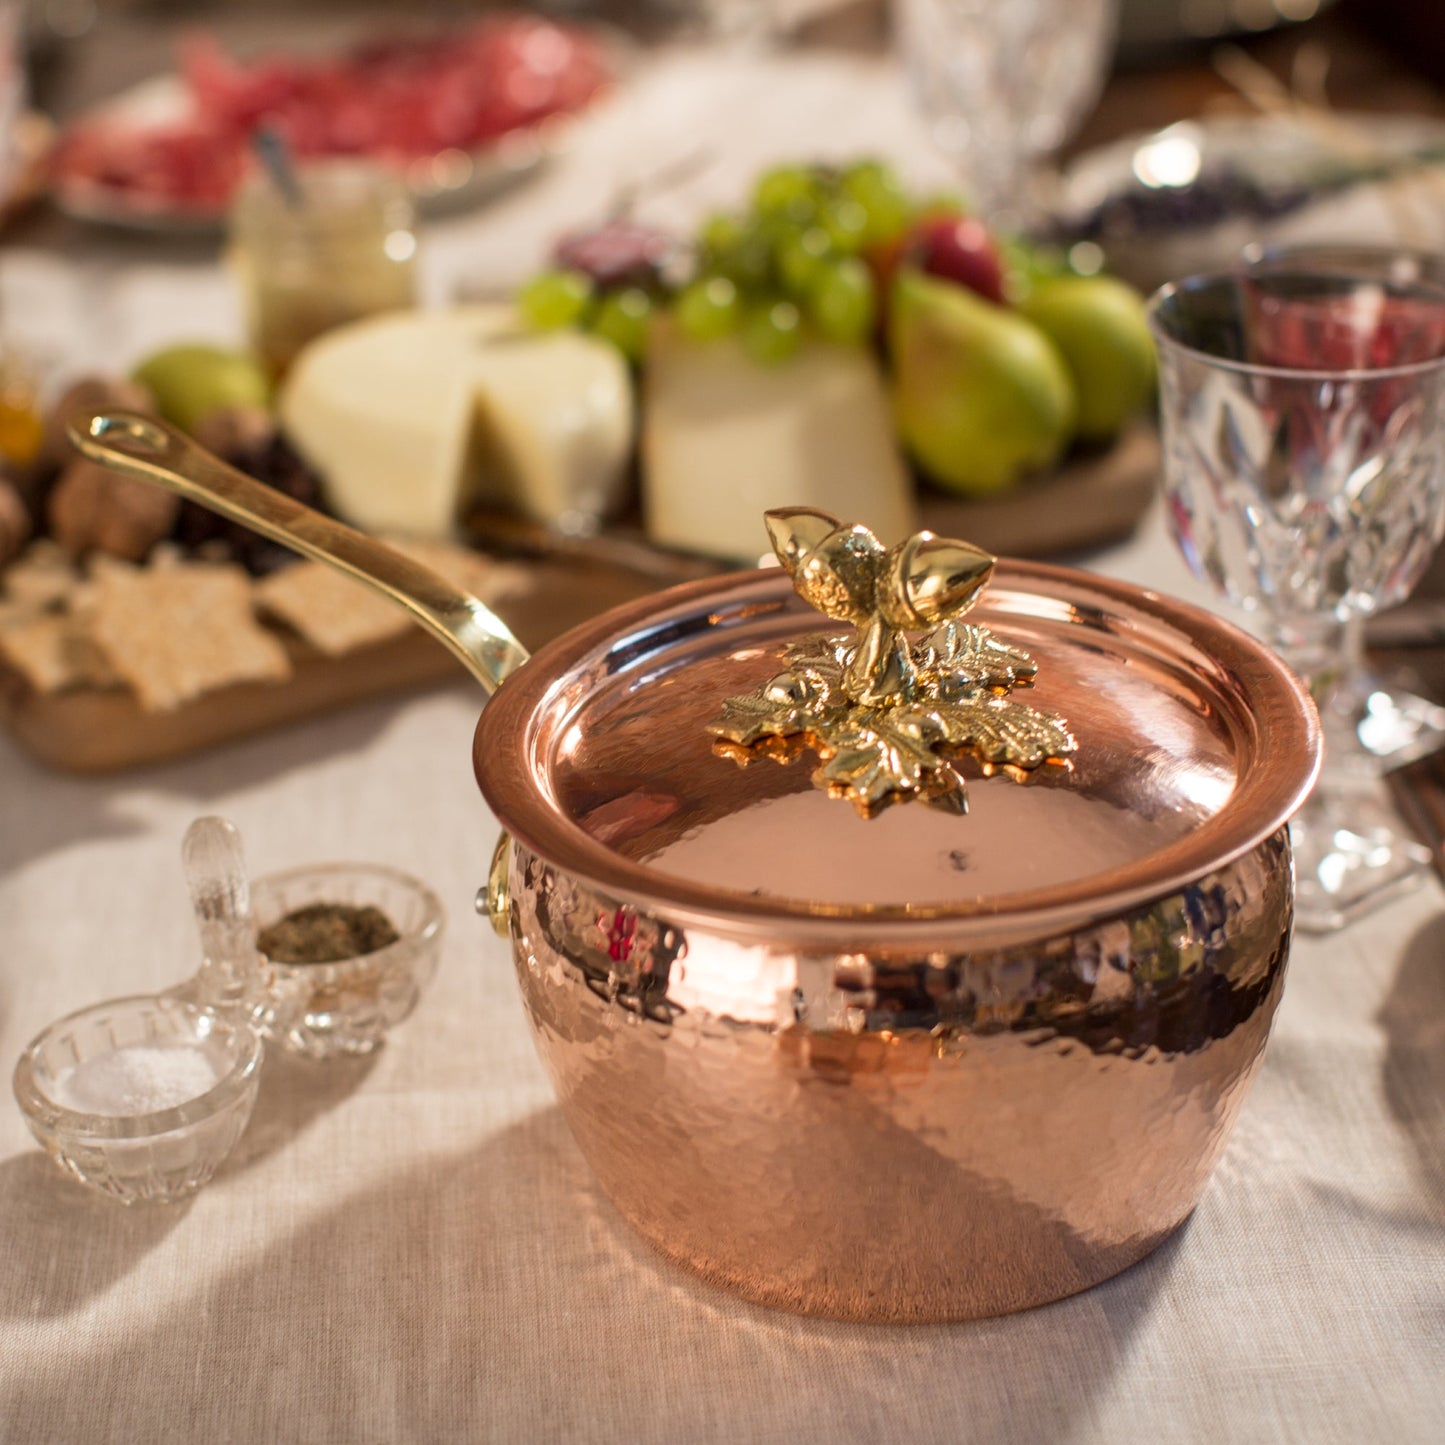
327	933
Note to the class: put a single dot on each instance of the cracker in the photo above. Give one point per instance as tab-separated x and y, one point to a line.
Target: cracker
337	614
42	577
175	633
14	613
332	611
492	582
53	652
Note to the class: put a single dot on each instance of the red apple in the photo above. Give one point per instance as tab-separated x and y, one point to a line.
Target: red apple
958	249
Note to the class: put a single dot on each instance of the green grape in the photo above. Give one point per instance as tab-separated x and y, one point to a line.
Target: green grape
873	186
800	256
552	299
720	234
772	331
709	308
787	191
1025	265
943	203
842	305
846	222
748	260
868	175
623	318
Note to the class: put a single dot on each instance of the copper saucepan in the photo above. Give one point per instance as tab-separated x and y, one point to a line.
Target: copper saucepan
955	1048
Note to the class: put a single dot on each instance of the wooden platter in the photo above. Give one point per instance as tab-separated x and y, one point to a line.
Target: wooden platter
1096	500
103	730
1093	501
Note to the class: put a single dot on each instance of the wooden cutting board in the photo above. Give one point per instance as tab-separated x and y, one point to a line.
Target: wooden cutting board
1093	501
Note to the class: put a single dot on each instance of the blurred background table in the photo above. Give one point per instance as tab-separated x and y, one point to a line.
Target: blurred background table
409	1247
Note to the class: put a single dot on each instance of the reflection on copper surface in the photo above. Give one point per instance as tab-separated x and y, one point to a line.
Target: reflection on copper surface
1150	755
897	1136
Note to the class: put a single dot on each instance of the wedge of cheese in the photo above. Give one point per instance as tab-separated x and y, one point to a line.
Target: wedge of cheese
725	438
413	417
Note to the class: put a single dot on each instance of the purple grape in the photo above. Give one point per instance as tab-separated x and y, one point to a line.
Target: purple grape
618	254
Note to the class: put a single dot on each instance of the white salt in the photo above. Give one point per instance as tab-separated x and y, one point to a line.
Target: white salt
136	1079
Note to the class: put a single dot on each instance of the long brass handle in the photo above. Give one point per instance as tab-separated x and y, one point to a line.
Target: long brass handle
142	447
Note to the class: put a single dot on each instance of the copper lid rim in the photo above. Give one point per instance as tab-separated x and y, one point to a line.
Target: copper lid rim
1265	799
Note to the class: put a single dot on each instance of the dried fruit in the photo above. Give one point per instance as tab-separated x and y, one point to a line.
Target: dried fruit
273	461
236	431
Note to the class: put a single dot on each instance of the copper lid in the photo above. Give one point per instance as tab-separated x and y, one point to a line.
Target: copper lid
1193	744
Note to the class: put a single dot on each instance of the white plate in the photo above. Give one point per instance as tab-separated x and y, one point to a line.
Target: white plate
1280	154
449	181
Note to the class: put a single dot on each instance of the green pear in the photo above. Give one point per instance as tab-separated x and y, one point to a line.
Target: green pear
1098	324
981	396
191	380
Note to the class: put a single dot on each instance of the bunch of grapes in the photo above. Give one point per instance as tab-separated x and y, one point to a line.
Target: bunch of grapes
794	262
608	281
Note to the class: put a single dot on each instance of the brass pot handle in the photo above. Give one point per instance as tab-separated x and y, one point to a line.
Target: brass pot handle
497	894
142	447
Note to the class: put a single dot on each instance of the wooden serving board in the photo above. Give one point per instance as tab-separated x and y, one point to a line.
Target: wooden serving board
95	730
1091	502
1095	500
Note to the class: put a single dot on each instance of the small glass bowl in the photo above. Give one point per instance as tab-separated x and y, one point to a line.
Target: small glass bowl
159	1156
323	1009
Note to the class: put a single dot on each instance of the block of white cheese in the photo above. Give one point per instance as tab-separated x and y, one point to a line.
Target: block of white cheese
413	417
725	438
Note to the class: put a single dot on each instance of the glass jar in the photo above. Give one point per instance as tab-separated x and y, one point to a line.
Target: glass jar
342	249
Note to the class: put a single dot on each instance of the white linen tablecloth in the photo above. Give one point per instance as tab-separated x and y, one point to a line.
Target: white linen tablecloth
410	1247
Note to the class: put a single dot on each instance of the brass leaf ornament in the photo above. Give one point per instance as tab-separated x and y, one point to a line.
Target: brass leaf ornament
887	716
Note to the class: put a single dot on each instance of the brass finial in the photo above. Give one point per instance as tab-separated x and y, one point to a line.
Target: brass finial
883	713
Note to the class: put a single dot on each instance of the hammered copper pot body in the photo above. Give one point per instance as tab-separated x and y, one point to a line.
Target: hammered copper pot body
967	1102
905	1136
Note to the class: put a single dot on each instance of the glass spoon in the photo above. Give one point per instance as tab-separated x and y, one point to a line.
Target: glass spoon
230	976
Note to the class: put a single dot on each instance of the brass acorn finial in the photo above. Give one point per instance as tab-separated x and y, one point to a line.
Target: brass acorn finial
883	713
846	573
834	568
931	580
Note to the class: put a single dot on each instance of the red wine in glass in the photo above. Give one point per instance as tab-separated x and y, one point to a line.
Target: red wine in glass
1329	323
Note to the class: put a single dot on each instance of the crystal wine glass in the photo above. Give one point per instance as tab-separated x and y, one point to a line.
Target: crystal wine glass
1001	86
1395	726
1304	470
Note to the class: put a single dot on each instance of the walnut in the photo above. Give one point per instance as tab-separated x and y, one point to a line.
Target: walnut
92	508
14	522
80	399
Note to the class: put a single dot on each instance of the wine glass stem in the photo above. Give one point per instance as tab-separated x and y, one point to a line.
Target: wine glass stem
1355	677
1328	655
